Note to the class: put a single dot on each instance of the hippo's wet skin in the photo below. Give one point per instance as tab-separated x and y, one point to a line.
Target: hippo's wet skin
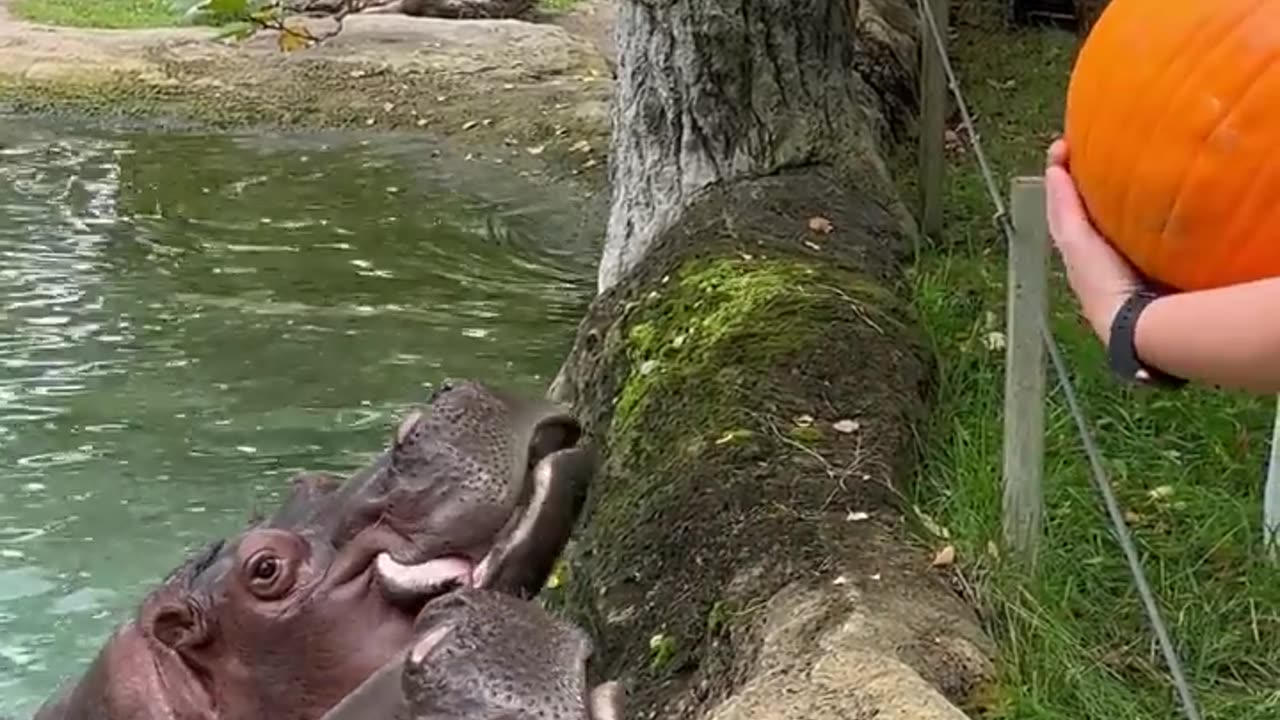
482	655
478	489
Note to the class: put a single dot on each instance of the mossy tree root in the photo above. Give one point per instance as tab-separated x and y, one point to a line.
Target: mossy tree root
753	375
754	385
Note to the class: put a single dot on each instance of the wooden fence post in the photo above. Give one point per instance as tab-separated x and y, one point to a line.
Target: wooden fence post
933	116
1025	369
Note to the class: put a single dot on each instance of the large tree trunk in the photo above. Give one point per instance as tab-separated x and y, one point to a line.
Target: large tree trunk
1087	13
753	374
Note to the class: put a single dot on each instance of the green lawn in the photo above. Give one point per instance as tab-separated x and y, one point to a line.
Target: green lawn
1187	465
98	13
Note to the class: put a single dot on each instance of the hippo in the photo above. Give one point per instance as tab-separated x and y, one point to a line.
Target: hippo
482	655
477	489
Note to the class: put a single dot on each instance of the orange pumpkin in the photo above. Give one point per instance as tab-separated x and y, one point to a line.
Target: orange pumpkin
1173	130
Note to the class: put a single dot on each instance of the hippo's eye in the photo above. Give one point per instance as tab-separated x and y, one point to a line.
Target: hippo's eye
267	575
265	568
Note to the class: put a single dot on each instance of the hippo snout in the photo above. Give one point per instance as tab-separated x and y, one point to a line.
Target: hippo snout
484	486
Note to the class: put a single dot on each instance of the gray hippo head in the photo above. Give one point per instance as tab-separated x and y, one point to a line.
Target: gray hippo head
477	489
483	655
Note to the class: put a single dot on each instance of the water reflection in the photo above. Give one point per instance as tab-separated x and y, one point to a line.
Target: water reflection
186	320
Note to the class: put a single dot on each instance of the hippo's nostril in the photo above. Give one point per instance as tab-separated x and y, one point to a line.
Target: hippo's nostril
445	386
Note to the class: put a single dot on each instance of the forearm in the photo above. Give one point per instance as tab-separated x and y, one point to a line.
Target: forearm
1229	337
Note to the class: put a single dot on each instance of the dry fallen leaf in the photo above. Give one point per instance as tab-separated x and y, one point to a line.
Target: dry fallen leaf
857	516
845	426
945	557
820	224
293	38
952	142
804	420
470	124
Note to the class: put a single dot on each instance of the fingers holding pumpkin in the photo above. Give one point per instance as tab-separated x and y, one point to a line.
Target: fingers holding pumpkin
1099	276
1068	222
1058	153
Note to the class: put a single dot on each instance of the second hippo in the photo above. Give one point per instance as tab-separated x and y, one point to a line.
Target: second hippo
481	655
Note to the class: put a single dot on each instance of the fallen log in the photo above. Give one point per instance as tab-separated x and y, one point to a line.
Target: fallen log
753	372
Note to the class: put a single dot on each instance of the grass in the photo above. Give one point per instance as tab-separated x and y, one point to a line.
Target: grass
559	5
1187	466
116	14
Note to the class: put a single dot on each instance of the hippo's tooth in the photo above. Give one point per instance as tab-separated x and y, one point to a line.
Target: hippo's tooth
423	579
423	647
407	426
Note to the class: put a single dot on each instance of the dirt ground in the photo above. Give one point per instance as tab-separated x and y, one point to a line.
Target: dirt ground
538	90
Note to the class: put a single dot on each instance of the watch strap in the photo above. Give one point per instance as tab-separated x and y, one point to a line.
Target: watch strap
1122	351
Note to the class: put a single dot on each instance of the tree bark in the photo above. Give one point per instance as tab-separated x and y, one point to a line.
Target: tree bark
753	374
1087	13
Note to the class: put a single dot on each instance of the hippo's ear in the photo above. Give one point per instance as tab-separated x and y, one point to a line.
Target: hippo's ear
553	432
176	623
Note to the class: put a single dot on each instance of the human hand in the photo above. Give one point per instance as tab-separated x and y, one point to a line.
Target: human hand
1099	276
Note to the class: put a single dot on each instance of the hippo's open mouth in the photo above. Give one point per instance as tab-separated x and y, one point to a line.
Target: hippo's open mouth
521	555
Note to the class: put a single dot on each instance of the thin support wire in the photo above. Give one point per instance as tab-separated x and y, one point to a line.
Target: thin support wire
1271	492
1100	479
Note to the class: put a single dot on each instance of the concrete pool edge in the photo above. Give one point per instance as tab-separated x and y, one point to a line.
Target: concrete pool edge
506	87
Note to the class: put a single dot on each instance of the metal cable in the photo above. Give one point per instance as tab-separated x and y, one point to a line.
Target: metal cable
1100	479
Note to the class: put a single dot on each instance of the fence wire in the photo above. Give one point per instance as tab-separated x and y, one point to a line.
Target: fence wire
1099	473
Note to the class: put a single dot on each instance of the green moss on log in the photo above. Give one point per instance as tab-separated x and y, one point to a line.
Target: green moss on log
711	305
704	343
751	383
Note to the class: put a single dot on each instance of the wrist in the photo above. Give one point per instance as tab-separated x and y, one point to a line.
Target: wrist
1103	316
1123	341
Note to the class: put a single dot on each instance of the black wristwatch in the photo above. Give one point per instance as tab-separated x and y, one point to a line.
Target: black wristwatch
1122	352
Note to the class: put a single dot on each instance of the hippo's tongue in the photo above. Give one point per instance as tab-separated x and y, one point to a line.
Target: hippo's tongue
425	580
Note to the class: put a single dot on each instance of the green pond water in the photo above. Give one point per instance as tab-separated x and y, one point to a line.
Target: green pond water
186	320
